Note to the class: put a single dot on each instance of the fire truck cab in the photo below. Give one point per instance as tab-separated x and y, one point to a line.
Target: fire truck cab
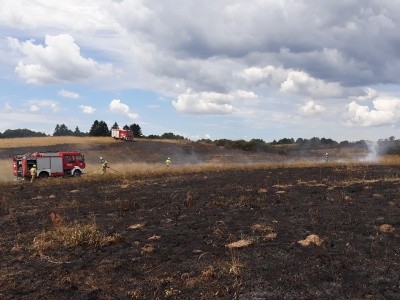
49	164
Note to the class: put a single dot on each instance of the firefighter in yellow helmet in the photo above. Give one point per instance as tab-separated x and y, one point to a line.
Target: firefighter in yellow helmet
33	171
168	161
104	167
103	164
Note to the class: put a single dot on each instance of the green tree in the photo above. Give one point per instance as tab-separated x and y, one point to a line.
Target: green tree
286	141
56	130
328	142
153	136
77	132
137	131
171	136
205	141
62	130
99	128
94	129
115	126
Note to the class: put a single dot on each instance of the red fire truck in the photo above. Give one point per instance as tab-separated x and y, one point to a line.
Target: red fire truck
122	134
66	163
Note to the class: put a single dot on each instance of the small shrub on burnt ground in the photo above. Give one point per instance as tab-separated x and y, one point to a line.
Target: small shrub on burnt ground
235	266
72	235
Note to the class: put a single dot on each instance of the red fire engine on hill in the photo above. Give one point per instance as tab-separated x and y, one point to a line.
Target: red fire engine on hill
122	134
66	163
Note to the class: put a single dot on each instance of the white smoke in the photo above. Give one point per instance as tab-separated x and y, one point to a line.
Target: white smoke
373	152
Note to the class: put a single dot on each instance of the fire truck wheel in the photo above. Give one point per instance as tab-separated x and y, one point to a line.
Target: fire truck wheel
43	175
77	173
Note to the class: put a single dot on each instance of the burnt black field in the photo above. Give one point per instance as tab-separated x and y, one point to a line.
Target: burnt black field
210	235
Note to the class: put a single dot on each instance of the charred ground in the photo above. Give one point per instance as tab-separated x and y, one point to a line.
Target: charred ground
173	236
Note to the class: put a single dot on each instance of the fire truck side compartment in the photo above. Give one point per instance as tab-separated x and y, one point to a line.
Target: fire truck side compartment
50	164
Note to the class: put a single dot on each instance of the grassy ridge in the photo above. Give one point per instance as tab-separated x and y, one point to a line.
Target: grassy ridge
50	141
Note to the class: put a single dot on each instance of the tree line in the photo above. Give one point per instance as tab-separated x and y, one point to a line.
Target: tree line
98	128
279	146
13	133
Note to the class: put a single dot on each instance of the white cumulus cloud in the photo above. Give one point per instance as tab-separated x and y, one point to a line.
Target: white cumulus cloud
117	106
369	94
384	112
310	108
86	109
269	75
58	60
204	103
68	94
301	83
211	103
291	81
36	105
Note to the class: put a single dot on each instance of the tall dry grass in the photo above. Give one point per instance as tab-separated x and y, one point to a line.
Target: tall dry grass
70	235
6	169
137	170
51	140
145	169
215	164
390	160
56	140
148	170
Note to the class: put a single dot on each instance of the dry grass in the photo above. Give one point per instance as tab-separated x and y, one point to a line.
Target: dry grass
72	235
311	239
239	244
235	266
146	170
57	140
51	140
6	169
386	228
133	169
390	160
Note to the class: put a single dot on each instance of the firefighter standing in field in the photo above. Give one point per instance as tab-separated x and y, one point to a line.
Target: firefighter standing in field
168	161
104	167
103	164
33	173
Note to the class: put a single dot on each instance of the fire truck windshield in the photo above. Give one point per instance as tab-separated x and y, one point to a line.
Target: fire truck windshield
80	158
68	158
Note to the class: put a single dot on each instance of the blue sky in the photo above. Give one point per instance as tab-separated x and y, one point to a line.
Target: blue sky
221	69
